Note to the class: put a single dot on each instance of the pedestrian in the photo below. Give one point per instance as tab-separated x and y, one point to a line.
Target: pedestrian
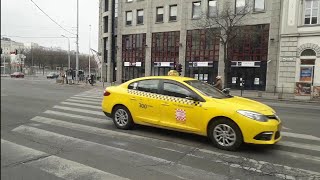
218	83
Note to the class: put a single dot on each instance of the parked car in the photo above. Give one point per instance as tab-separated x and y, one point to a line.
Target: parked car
188	105
52	75
17	75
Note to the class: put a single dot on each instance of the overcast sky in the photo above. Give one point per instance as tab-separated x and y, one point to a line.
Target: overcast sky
22	18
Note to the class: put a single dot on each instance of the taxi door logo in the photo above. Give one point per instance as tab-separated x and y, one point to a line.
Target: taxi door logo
181	115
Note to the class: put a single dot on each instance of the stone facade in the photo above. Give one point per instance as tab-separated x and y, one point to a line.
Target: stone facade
297	36
184	22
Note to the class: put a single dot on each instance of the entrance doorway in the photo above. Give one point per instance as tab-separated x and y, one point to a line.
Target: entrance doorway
131	72
254	77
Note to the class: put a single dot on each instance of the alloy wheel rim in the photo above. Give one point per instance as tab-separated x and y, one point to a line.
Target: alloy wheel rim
121	117
224	135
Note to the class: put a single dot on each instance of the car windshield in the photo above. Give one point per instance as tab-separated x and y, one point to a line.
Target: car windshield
207	89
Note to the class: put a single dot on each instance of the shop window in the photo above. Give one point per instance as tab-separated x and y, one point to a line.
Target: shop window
311	13
202	46
196	10
251	45
165	46
133	48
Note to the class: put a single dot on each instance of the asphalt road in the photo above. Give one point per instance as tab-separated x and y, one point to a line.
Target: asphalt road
52	131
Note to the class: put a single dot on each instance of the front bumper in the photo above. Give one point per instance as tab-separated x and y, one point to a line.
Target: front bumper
255	132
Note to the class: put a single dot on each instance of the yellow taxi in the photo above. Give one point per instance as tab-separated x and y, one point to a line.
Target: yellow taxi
188	105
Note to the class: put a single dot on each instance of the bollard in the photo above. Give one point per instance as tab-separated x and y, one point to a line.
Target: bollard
259	94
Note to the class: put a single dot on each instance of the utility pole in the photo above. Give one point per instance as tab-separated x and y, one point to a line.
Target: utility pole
89	47
4	64
68	50
77	52
31	60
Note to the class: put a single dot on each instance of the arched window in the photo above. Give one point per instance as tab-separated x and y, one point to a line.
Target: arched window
308	52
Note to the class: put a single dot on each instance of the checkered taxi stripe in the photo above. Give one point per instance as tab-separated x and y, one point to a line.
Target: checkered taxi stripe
163	97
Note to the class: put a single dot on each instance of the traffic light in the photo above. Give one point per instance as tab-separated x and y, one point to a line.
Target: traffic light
16	52
179	68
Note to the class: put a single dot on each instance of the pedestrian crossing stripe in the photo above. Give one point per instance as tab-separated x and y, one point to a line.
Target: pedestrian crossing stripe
164	97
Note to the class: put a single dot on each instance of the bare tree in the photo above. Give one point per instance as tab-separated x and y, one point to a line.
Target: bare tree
225	23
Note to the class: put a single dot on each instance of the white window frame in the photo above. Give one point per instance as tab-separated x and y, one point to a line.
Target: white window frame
127	18
170	13
157	13
254	6
194	16
311	12
216	8
140	10
236	6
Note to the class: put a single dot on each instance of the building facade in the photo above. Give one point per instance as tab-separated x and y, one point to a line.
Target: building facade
299	58
149	37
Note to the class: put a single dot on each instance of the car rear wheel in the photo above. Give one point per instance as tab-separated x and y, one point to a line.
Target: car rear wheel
225	134
122	118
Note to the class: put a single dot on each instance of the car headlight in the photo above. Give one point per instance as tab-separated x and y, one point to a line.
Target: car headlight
253	115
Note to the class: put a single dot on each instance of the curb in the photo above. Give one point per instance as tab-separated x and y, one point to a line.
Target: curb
283	100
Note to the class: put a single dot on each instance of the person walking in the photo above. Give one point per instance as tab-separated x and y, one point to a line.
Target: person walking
218	83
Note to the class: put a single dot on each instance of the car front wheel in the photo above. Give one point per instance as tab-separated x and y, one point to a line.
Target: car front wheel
122	118
225	134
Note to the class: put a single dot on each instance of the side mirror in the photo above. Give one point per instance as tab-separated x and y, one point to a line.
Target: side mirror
192	98
226	91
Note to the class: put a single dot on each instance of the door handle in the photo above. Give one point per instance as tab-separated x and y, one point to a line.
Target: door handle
133	99
164	104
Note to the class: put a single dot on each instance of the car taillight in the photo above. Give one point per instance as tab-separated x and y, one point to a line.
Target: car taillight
106	93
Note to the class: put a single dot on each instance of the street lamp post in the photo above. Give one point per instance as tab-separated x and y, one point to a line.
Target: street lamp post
68	50
77	52
89	47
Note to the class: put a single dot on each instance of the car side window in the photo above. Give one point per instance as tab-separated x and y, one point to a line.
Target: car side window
151	86
171	89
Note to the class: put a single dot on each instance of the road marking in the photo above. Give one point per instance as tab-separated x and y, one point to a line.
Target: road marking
285	128
93	94
297	155
80	117
146	140
278	170
100	113
108	133
300	136
132	158
12	155
87	99
298	106
57	166
82	105
94	97
86	102
299	145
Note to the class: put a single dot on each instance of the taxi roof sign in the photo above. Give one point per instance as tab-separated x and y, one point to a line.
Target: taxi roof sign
173	73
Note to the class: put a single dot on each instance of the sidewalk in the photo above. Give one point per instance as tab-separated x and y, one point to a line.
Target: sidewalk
257	95
262	95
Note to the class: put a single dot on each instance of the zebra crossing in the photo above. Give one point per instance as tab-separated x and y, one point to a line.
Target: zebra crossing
90	147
